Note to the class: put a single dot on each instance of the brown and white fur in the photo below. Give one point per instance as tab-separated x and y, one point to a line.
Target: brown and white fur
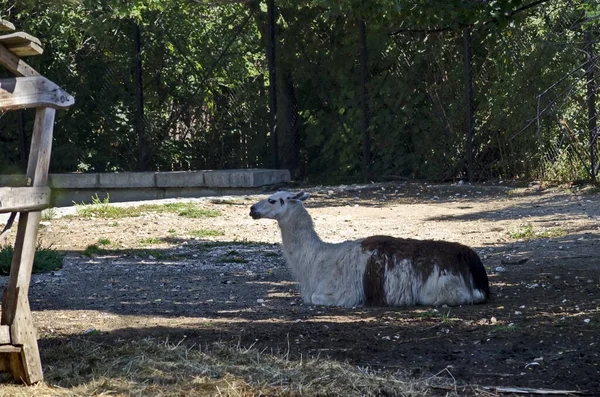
378	270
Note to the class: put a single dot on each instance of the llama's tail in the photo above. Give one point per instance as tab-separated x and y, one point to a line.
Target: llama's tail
481	283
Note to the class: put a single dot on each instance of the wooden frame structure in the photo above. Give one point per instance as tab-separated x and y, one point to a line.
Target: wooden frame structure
19	352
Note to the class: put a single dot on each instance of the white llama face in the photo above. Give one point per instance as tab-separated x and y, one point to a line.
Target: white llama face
276	205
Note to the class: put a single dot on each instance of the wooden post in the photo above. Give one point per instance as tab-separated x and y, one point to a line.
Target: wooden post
16	312
19	351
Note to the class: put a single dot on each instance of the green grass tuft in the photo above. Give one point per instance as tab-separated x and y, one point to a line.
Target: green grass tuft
91	250
150	240
199	213
45	260
526	232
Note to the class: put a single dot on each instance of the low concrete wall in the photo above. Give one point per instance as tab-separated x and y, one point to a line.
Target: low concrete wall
132	186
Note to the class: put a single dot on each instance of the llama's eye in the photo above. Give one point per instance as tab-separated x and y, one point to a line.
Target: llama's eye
271	201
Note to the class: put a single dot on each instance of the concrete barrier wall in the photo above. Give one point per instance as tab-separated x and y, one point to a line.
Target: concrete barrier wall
131	186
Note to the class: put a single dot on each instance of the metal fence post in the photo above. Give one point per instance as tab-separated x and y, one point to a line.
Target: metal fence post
366	138
271	44
591	102
468	58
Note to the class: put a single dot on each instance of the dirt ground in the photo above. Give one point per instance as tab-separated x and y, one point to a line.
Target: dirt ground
542	329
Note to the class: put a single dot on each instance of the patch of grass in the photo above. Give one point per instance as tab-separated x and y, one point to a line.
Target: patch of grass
150	240
505	328
424	314
104	241
223	202
91	250
45	260
199	213
206	233
171	231
48	214
102	208
526	232
151	367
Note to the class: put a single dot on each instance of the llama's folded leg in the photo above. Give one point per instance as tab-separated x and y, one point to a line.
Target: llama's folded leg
323	299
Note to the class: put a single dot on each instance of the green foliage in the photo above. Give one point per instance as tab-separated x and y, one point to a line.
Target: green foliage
45	260
205	86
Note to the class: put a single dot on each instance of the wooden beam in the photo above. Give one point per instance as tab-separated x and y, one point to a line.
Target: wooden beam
10	349
6	26
13	199
15	304
32	92
22	44
14	64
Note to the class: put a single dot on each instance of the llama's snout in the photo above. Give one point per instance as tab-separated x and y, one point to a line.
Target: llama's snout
254	212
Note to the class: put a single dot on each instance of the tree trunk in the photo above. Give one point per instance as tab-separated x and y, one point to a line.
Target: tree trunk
142	160
288	119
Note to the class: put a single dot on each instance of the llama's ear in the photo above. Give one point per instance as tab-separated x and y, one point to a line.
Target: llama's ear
300	196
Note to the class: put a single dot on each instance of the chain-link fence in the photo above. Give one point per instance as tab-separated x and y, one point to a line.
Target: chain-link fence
398	111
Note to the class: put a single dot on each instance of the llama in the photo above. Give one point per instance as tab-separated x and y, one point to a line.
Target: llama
375	271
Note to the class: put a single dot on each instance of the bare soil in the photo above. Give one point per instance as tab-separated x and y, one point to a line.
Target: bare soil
542	329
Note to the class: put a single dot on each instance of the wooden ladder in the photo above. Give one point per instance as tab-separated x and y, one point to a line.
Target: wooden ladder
19	352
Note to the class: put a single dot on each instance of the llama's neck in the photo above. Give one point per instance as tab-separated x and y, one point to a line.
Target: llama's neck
297	232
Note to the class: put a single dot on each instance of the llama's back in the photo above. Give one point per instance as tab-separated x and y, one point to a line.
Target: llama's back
407	272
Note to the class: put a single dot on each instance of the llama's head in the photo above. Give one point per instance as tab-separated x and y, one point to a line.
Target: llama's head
276	205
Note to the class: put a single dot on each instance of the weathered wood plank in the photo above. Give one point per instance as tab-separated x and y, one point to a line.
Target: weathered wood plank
6	26
30	92
4	336
15	303
14	64
23	333
22	44
13	199
10	349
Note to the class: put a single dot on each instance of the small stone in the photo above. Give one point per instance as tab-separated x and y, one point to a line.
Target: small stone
500	269
260	301
493	320
587	320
